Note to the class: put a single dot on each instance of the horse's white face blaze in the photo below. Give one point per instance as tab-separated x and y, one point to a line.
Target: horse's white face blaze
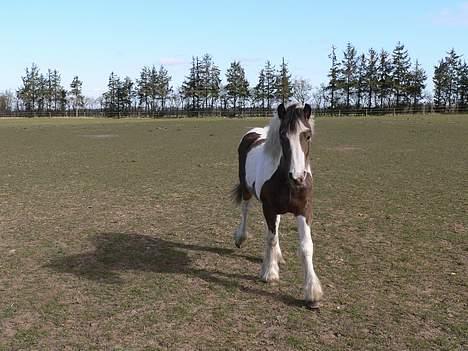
298	166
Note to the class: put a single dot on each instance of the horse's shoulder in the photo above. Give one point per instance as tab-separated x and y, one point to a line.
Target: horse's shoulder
251	139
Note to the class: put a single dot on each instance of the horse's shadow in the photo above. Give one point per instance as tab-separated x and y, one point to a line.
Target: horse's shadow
118	252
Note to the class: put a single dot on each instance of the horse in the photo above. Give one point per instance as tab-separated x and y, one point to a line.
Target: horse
274	167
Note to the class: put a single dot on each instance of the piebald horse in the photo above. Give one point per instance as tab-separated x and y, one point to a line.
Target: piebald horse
274	167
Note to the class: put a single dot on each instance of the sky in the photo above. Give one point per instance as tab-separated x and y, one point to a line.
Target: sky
92	38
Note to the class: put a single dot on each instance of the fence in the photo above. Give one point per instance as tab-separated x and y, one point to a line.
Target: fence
229	112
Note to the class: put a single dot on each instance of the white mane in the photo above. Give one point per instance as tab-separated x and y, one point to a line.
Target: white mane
272	143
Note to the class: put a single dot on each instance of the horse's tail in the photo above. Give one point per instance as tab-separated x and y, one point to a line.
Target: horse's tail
236	194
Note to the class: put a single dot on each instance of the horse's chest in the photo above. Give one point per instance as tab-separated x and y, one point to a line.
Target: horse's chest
277	194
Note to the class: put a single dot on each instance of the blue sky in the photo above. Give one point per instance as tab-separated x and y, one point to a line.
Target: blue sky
91	38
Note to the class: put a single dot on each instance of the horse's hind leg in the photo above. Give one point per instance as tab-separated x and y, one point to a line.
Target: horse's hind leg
240	234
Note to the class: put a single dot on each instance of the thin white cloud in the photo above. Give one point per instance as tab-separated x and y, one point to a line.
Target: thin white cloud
456	16
172	61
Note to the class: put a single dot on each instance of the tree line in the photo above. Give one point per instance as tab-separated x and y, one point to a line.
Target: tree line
202	89
384	81
374	80
371	81
44	92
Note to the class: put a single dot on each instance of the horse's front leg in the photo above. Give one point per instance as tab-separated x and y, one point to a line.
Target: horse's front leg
270	267
312	287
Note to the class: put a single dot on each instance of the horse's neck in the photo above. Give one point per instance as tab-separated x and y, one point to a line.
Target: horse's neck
283	167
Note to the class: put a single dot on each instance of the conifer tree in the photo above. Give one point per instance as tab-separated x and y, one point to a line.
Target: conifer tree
76	96
333	73
417	79
270	84
348	73
259	89
371	77
283	83
237	86
385	84
400	74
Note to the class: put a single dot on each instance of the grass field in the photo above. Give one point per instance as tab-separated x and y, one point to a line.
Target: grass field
117	235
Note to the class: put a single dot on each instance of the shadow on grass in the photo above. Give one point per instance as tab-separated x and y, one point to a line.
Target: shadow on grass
117	252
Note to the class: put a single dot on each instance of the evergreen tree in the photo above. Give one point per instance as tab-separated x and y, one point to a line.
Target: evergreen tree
371	76
463	86
259	89
209	81
111	96
191	85
41	100
153	82
348	73
163	87
283	83
31	90
57	90
205	78
447	84
333	74
48	91
417	79
62	99
142	88
214	84
400	74
361	71
453	63
440	81
76	96
269	84
385	70
125	94
237	86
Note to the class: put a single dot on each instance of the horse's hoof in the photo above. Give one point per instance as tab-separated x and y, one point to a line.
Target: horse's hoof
238	245
269	278
312	305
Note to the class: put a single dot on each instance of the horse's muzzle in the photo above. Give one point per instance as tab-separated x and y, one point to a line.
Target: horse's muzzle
297	181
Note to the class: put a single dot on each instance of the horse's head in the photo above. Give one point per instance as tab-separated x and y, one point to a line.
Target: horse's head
295	136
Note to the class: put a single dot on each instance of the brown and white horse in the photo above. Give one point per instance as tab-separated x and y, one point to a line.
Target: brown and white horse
274	167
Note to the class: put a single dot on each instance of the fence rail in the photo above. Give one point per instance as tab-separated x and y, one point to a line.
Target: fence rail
220	112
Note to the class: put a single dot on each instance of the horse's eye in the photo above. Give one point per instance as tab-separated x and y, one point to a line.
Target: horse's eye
308	137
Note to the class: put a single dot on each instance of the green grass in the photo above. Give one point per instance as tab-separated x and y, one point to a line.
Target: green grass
117	234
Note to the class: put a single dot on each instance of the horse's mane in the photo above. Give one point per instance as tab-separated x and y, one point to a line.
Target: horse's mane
272	143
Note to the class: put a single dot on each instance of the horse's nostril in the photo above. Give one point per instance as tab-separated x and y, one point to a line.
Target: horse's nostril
299	180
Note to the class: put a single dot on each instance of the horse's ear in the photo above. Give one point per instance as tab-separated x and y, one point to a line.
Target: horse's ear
281	111
307	111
